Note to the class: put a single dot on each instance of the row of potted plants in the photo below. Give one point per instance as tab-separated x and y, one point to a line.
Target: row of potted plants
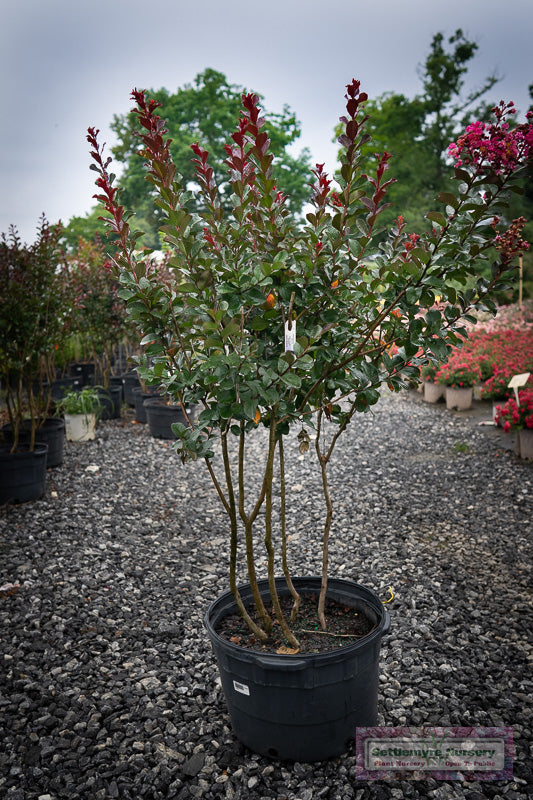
56	307
482	366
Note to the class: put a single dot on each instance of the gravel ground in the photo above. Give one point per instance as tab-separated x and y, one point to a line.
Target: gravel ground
108	688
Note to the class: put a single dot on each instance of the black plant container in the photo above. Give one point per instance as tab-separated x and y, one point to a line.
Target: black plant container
51	433
23	473
130	382
301	707
111	402
84	371
161	417
139	397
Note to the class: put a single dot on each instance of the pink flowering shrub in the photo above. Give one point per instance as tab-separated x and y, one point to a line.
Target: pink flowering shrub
460	372
494	145
499	354
428	373
516	416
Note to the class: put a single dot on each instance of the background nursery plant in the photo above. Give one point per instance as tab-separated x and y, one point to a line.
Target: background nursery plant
35	300
269	323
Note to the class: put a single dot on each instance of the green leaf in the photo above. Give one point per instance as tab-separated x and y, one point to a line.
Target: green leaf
438	217
231	328
290	379
449	198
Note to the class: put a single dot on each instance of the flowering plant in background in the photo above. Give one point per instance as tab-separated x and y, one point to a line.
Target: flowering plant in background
494	144
289	326
497	386
459	373
516	416
429	373
499	353
509	317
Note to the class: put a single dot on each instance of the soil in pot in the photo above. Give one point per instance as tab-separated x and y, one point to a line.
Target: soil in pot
344	626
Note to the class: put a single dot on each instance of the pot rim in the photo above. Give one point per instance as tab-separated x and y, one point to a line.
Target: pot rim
24	449
366	595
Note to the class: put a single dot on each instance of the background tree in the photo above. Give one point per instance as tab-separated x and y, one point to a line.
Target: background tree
90	228
417	131
204	111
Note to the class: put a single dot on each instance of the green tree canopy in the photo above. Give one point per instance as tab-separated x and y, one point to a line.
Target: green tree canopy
204	111
417	131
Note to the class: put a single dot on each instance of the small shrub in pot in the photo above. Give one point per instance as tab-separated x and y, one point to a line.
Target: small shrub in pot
267	322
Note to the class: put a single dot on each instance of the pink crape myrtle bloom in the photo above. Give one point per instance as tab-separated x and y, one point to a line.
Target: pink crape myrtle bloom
495	145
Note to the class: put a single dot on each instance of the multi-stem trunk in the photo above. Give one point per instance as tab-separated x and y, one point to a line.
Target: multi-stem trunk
283	514
231	509
269	476
323	461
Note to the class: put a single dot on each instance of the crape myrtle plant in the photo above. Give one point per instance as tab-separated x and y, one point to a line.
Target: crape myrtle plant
292	327
35	306
99	322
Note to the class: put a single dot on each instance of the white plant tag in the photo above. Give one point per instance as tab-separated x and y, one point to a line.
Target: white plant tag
290	337
517	381
241	688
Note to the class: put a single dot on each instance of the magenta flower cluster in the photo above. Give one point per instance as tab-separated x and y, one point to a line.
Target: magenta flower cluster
516	416
495	145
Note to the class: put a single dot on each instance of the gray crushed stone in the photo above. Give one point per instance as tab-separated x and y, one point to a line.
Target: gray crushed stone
108	688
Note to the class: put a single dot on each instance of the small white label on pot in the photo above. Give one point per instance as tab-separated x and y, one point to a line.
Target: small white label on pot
241	688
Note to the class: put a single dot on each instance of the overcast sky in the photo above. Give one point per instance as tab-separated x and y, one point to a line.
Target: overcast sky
69	64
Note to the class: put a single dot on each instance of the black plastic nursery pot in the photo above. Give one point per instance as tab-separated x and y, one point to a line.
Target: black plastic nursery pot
111	402
23	473
160	418
301	707
61	386
138	398
130	382
51	433
85	371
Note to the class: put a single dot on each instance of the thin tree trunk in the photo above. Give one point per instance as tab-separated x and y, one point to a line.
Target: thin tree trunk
231	508
293	641
283	494
248	521
323	460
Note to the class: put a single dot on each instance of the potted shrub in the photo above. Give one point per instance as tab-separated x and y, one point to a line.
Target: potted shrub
287	331
35	307
433	391
495	388
518	417
459	375
99	322
81	410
